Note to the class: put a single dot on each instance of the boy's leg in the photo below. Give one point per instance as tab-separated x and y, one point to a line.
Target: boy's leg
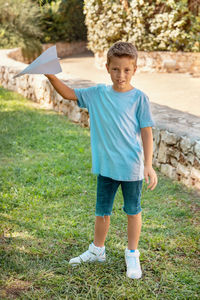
132	193
101	230
132	206
106	190
134	230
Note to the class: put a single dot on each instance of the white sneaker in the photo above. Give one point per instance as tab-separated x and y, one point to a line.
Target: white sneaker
133	264
91	255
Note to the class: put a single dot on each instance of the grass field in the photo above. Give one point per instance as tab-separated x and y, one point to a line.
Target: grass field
47	204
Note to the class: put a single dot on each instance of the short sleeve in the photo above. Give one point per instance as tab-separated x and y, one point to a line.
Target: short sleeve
144	114
85	96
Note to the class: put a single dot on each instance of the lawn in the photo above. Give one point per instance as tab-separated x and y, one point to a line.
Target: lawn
47	204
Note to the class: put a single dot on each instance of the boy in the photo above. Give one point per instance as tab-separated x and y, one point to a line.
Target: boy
119	115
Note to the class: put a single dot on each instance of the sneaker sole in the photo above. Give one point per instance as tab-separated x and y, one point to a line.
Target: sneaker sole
82	262
134	276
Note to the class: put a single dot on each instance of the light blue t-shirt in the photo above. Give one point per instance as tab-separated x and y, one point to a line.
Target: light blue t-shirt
115	122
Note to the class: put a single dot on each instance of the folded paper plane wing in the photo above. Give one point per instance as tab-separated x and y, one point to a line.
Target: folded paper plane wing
46	63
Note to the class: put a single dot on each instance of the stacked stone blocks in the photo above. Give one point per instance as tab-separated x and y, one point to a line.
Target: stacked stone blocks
178	157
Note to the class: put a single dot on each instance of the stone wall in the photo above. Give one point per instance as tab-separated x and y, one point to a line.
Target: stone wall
178	157
157	61
160	61
176	134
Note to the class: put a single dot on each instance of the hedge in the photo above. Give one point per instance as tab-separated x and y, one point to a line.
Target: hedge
28	23
162	25
63	20
20	26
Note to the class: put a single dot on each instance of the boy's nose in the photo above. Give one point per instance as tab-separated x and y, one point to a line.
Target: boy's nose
121	75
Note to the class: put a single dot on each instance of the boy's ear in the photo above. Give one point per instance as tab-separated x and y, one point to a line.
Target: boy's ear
135	68
107	67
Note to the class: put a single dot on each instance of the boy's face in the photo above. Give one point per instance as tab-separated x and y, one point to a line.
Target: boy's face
121	70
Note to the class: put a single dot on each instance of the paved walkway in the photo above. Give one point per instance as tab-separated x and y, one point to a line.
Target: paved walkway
177	91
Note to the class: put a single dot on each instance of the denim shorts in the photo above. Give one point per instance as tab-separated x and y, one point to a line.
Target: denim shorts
106	190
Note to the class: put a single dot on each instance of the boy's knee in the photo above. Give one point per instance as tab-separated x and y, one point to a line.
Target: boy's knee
103	217
134	216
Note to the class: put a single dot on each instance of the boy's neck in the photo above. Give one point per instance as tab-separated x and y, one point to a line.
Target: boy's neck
127	89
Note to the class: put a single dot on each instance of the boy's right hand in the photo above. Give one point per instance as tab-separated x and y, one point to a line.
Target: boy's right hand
49	76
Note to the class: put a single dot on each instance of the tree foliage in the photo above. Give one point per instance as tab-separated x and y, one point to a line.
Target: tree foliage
28	23
63	20
166	25
20	26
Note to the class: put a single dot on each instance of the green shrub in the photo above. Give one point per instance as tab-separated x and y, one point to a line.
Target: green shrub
27	23
63	20
20	26
166	25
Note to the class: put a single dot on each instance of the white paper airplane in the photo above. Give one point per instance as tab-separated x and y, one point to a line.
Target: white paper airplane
46	63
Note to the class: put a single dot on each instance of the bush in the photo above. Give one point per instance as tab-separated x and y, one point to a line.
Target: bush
167	25
20	26
63	20
27	23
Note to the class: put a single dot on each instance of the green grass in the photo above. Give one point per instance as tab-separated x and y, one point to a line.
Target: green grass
47	205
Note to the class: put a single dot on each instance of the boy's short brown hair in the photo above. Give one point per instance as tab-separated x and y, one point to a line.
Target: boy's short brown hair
120	49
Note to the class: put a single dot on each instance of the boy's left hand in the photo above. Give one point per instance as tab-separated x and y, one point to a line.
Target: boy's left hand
149	172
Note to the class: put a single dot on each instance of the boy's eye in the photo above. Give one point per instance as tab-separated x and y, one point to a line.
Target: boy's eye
127	70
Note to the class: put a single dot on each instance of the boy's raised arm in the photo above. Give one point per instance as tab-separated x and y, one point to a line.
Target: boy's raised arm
65	91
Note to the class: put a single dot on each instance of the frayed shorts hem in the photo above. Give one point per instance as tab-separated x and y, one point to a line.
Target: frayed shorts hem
102	215
132	214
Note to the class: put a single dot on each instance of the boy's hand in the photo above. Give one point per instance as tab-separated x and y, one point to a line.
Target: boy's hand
49	76
149	172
